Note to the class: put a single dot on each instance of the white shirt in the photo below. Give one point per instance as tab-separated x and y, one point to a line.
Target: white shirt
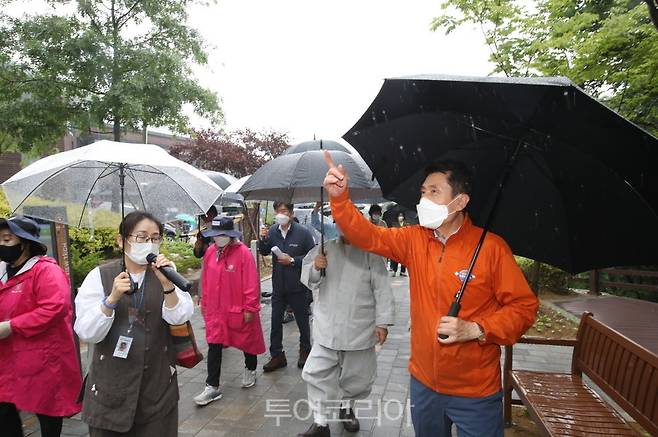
92	325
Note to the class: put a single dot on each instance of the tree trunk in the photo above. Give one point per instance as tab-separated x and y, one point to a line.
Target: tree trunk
653	11
116	129
536	275
145	135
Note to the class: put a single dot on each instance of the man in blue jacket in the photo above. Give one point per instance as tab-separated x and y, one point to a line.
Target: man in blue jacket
288	242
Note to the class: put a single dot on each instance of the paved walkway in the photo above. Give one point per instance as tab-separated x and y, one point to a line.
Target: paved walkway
634	318
244	412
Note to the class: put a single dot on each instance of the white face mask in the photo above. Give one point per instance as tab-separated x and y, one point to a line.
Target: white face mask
376	217
282	219
432	215
222	240
138	251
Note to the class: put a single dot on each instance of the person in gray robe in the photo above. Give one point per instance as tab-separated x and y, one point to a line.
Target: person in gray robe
353	308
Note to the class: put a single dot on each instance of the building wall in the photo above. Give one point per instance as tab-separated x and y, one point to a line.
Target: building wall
10	163
159	139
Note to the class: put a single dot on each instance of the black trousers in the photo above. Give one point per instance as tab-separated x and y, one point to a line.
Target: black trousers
299	303
12	426
215	363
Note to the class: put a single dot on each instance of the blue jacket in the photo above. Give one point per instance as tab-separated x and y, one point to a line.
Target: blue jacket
330	229
298	242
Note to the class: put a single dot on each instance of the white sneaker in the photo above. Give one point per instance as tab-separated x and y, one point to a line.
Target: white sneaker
208	395
248	378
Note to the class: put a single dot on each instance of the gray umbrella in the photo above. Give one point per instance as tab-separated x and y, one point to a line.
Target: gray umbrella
298	178
230	194
223	180
307	146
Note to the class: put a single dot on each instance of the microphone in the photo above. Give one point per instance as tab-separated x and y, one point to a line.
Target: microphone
171	274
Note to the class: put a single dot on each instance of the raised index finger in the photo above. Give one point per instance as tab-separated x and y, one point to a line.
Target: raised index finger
329	159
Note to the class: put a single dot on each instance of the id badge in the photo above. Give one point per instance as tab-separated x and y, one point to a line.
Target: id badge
123	347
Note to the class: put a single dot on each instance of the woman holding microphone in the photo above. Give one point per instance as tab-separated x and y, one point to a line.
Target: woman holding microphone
132	388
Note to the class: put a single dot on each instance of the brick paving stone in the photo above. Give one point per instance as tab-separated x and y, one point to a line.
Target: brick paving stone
242	412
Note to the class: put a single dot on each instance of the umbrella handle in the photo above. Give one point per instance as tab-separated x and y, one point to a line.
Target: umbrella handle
456	306
454	310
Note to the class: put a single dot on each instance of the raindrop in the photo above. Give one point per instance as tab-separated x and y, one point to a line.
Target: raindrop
566	93
419	149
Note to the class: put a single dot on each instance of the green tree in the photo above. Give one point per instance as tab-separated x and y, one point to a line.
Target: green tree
608	47
126	63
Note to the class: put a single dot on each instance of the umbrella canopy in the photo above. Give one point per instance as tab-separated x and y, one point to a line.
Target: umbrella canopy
582	192
306	146
223	180
298	178
230	194
87	183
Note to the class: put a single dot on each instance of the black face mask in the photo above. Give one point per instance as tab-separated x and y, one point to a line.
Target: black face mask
9	254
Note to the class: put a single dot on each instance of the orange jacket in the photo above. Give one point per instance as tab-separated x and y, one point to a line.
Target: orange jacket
497	297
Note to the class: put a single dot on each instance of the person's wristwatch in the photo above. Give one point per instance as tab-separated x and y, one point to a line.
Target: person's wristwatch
482	337
292	261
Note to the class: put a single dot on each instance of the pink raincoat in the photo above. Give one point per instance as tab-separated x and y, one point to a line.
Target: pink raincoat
230	287
39	370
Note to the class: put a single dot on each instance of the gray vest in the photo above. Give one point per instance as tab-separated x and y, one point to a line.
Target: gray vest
143	387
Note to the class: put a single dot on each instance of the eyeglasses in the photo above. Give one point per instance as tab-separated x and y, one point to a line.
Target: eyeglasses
139	238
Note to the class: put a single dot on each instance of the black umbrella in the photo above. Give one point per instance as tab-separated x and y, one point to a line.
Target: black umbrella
581	190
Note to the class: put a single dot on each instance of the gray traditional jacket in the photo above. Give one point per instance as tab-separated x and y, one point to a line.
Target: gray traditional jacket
351	300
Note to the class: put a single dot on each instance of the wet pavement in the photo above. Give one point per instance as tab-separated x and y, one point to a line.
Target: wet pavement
276	405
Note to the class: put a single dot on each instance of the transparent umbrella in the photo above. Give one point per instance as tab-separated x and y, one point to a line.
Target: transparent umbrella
96	184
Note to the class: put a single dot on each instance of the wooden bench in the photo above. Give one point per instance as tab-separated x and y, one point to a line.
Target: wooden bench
561	404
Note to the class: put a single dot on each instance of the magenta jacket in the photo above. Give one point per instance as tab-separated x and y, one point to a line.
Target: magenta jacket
39	370
230	287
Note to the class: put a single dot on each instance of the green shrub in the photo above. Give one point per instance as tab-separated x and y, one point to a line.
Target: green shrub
90	248
81	265
550	278
97	240
5	210
181	253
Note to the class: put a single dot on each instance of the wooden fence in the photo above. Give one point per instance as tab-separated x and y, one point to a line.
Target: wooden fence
619	278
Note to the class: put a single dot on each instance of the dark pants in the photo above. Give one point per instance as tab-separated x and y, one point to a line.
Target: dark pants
299	303
394	267
215	363
12	426
434	413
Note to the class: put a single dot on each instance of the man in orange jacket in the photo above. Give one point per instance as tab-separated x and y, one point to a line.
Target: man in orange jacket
457	379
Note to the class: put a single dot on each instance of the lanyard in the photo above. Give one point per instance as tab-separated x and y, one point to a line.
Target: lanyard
135	308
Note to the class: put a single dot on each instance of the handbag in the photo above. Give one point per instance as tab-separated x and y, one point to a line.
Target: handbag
187	352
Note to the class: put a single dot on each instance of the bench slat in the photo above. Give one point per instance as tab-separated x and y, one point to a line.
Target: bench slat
565	406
